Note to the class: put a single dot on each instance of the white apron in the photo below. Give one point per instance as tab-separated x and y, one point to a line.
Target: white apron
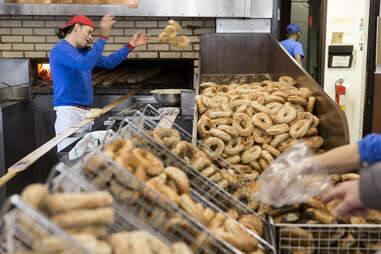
68	116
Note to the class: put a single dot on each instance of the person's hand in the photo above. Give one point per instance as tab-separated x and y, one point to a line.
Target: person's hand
106	24
139	39
351	204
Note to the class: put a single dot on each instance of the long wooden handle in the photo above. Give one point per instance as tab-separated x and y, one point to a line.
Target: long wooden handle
29	159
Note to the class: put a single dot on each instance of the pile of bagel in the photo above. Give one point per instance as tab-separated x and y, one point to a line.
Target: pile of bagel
170	35
249	125
308	239
87	217
173	184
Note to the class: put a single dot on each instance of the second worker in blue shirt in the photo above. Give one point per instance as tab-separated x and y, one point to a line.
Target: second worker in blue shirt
292	45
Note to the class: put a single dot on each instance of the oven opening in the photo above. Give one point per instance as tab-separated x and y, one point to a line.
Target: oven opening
150	73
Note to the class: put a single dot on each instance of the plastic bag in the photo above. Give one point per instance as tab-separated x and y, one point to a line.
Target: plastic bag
292	178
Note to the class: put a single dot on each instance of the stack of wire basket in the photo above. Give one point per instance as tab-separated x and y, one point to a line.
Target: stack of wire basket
289	238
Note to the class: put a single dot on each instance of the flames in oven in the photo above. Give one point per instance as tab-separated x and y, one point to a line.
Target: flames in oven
43	71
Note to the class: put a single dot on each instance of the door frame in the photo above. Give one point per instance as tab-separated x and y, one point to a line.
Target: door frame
374	12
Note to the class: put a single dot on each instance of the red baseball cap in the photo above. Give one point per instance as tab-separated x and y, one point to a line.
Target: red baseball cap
81	19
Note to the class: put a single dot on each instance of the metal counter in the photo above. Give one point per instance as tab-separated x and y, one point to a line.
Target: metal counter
260	54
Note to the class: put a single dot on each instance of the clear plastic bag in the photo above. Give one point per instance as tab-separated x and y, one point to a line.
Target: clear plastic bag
293	177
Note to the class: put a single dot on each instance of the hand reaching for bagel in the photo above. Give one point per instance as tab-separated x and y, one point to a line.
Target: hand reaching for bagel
139	39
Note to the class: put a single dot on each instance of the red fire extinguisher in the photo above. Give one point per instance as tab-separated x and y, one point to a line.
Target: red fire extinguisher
340	91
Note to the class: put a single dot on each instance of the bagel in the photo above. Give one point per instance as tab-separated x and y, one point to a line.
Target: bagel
277	129
251	154
283	95
164	37
248	242
192	209
252	222
285	115
228	129
209	171
235	159
220	134
274	98
35	195
181	42
204	125
248	142
274	107
311	132
215	145
271	149
218	114
191	155
164	190
118	147
286	144
234	146
260	136
180	179
242	123
166	136
262	120
175	24
218	220
222	120
263	163
150	162
297	100
259	108
300	128
267	156
171	31
200	105
243	168
287	80
207	84
305	92
314	142
62	202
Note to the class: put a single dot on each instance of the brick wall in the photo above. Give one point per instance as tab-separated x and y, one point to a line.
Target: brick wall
34	36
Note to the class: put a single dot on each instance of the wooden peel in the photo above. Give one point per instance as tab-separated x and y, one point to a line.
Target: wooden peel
28	160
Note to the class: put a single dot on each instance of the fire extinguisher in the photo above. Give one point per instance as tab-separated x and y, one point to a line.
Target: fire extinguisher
340	90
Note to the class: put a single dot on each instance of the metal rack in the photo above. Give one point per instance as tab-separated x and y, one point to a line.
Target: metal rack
338	238
144	204
62	179
202	188
24	228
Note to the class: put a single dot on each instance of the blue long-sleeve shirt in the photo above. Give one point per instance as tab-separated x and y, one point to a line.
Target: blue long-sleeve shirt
370	149
71	71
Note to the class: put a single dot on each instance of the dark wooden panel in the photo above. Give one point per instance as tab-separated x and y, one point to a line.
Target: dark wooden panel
376	122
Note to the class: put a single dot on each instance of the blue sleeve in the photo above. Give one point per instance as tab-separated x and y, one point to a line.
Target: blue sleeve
79	61
298	50
370	149
114	59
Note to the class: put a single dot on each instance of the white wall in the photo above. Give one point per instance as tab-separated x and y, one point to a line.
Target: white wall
345	16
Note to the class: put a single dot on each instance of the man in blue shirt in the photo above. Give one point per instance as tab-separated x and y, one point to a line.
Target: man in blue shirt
292	45
71	63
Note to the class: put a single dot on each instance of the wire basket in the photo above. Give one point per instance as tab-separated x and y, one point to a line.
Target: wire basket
25	229
207	189
63	179
143	203
334	238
